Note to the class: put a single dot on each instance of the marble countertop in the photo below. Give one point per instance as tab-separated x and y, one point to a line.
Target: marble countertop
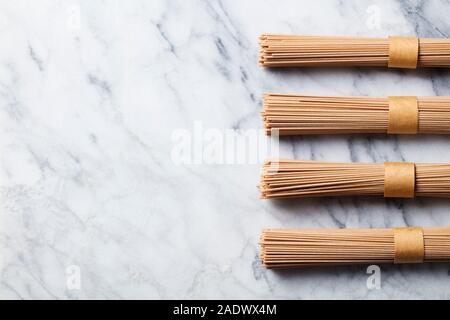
97	196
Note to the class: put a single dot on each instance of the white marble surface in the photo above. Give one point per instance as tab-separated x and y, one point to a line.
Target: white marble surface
91	93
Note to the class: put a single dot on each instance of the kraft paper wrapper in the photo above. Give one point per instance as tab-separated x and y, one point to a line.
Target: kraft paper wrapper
403	116
399	179
409	245
403	52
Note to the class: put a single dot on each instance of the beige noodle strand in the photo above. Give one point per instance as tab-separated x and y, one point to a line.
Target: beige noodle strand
287	114
286	248
331	51
296	178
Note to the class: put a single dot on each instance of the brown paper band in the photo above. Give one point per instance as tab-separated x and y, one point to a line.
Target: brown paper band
403	52
403	115
408	245
399	179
